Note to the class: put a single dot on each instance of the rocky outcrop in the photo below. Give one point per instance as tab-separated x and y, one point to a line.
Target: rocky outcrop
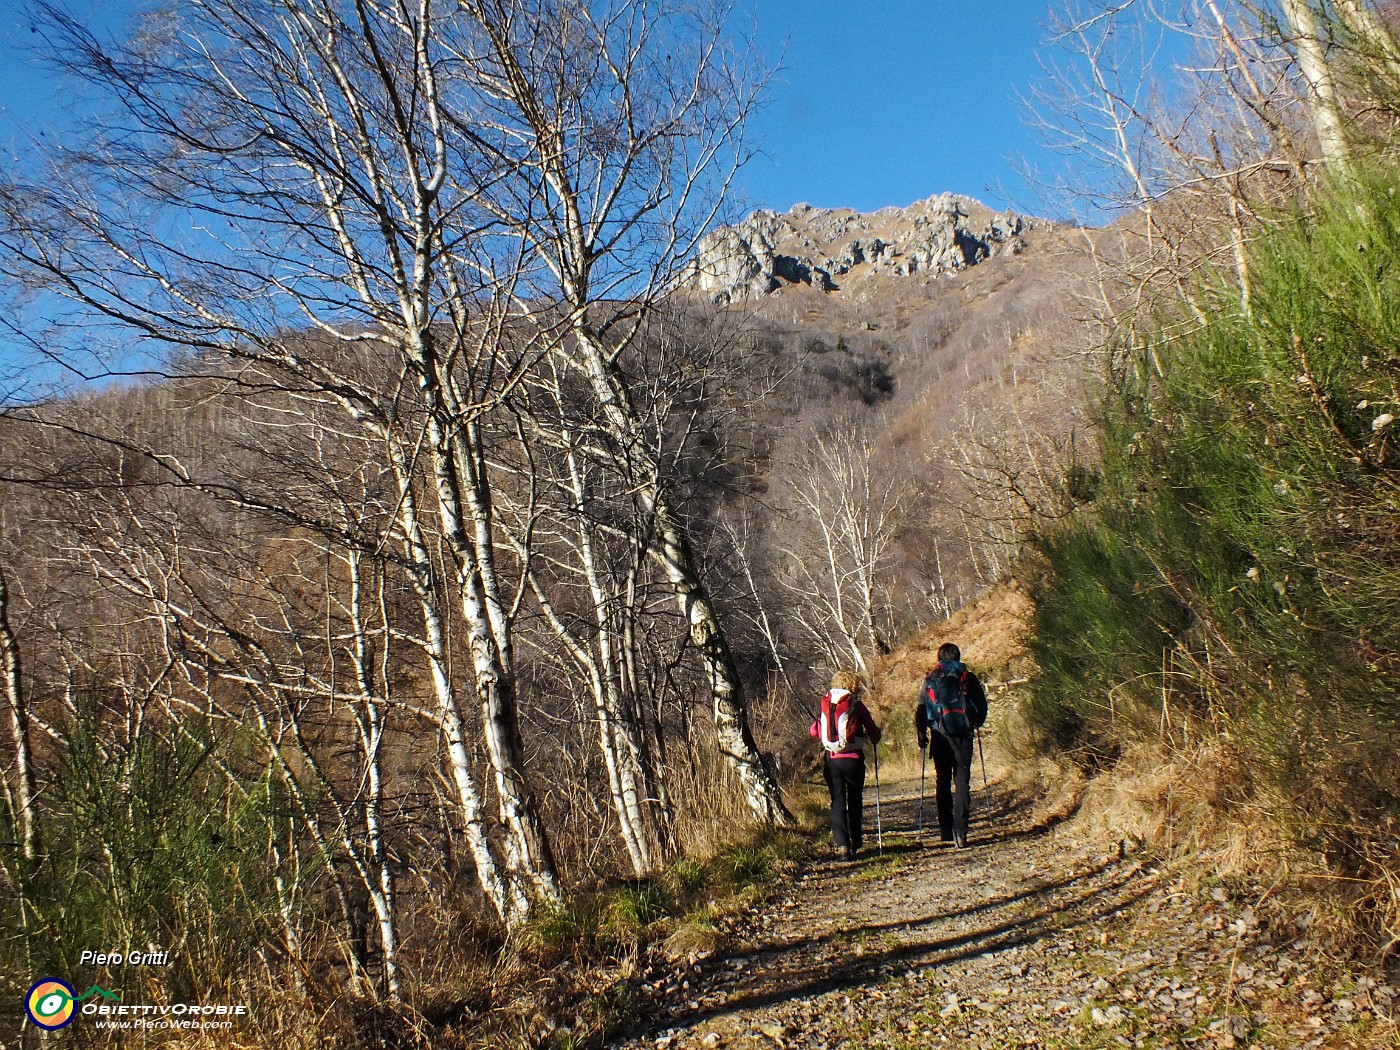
823	248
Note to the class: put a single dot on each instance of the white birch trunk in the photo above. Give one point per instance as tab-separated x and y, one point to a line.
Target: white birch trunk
733	734
286	909
24	788
619	736
653	740
528	856
379	881
1322	91
382	893
1241	256
508	901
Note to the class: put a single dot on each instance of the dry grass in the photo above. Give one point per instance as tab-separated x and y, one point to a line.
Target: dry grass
1190	800
1185	800
991	632
696	935
710	813
1195	805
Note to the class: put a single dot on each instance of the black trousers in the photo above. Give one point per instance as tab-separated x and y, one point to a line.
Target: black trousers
952	764
845	779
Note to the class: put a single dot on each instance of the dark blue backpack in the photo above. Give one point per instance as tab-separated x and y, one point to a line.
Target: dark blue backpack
948	706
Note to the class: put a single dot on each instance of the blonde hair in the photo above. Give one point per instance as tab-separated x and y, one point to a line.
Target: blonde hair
847	680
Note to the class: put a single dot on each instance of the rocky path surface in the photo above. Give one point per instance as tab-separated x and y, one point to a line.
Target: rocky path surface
1034	936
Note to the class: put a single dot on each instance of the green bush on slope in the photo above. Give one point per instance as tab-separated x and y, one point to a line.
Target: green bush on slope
145	849
1241	562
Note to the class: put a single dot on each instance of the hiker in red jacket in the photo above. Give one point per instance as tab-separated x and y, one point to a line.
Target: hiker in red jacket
843	727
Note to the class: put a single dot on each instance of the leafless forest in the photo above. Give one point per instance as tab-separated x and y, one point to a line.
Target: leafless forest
390	546
407	555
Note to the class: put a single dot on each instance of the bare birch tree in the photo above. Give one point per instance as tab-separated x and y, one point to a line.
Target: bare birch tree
1186	117
621	122
837	577
21	797
596	633
1321	96
307	146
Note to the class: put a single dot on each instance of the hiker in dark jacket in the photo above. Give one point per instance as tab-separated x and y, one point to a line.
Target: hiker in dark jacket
843	727
952	706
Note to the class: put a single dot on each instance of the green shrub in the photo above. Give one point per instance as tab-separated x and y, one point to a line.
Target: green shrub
759	862
1238	563
684	877
549	928
629	910
145	846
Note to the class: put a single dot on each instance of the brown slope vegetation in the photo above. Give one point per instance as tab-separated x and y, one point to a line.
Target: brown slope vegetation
961	390
969	384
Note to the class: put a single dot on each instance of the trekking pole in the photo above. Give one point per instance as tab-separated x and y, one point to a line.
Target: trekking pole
923	765
879	828
986	790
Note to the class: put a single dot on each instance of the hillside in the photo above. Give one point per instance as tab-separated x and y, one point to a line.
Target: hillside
954	384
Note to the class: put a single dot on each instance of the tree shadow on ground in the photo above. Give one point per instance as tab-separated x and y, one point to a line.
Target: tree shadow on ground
992	823
798	969
814	965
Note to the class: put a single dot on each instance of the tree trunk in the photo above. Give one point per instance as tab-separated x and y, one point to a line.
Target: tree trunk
528	855
25	791
508	900
620	737
1322	91
379	882
733	734
1374	37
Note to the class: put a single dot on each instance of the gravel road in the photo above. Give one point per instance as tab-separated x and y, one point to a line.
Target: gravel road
1035	936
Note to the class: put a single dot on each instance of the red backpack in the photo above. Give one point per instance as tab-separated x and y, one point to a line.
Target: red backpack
840	727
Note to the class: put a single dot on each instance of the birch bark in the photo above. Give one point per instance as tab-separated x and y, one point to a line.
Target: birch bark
507	899
733	735
1323	107
25	791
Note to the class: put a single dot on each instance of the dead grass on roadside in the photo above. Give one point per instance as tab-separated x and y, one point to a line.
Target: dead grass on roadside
1193	799
1195	805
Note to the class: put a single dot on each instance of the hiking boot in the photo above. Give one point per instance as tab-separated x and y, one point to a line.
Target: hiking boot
960	839
851	853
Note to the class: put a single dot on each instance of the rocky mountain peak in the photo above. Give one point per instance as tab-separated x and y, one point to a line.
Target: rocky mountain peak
828	249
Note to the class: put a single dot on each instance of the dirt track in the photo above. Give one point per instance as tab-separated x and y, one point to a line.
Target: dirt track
1034	936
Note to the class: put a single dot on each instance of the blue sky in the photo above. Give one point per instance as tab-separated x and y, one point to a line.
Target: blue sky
873	104
890	101
876	103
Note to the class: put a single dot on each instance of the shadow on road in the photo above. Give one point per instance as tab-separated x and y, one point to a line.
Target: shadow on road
794	969
809	965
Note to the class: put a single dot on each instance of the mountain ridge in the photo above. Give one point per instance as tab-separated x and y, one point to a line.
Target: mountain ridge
829	249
